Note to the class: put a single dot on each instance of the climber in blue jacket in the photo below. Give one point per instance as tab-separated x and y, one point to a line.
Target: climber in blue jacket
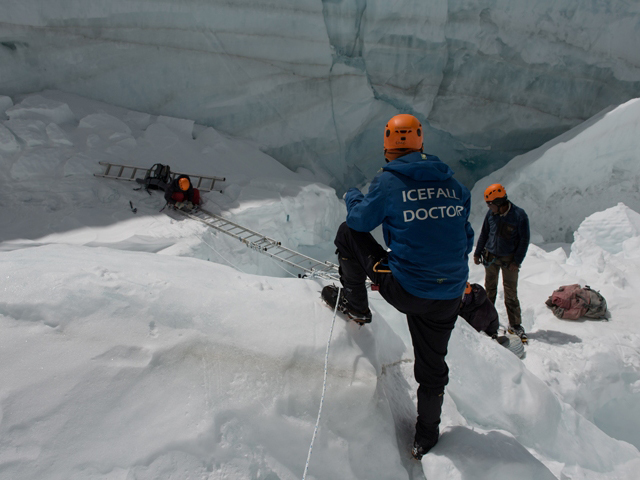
424	214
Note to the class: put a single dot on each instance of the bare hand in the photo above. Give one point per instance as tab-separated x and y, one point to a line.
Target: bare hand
476	260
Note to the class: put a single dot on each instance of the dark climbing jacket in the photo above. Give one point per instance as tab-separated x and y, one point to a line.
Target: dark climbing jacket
477	309
174	194
504	235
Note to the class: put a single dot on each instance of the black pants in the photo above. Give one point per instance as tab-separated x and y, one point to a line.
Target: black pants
430	322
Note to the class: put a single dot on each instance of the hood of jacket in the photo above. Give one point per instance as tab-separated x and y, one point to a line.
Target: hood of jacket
420	166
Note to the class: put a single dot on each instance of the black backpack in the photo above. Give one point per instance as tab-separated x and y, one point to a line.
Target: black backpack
158	177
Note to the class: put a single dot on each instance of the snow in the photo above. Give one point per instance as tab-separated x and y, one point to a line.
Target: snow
311	81
147	346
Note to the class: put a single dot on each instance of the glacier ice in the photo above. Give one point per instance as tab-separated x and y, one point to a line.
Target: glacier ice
312	83
591	167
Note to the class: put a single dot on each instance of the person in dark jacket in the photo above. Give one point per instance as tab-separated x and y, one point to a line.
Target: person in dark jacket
479	311
502	246
181	193
424	214
482	315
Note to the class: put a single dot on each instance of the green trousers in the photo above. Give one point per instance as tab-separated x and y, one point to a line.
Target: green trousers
509	282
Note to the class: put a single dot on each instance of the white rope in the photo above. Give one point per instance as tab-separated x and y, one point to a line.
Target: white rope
326	359
324	385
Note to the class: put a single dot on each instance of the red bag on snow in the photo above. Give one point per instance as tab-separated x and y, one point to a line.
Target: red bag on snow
571	302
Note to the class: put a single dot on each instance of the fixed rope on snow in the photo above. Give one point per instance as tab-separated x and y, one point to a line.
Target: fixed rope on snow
324	388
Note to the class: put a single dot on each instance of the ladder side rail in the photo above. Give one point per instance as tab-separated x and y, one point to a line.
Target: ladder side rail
200	178
248	236
135	170
113	177
211	220
102	162
262	242
109	164
213	215
107	169
309	271
123	173
324	271
301	258
216	227
258	246
196	180
204	177
312	263
332	265
121	168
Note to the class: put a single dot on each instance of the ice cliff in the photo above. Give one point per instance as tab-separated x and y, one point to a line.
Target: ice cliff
313	82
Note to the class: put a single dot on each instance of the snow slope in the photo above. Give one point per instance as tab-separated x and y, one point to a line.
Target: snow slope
144	346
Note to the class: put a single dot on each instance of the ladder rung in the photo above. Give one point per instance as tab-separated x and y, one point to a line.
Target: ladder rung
264	244
198	180
249	236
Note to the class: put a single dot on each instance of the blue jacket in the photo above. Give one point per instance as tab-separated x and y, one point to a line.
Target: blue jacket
506	234
424	214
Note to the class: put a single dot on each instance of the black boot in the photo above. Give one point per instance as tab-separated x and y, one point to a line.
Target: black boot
418	451
427	426
330	297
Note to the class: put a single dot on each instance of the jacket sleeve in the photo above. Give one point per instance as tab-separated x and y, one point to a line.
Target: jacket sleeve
482	239
366	212
467	226
167	194
525	236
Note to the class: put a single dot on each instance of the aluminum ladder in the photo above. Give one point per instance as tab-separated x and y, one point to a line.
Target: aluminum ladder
265	245
130	173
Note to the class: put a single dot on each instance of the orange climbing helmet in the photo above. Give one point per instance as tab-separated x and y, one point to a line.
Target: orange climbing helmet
495	191
402	135
184	184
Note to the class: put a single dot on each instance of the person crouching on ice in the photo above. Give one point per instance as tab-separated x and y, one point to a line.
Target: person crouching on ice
424	214
181	194
479	311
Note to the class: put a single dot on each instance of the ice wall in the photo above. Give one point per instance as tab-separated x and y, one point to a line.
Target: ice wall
313	82
591	167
